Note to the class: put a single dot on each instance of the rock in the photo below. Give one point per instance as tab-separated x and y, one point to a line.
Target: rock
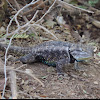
95	82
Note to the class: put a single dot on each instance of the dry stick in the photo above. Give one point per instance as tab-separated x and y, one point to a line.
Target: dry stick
11	5
95	22
24	17
67	5
46	12
31	10
28	24
13	84
36	23
21	66
5	70
90	7
31	75
44	29
16	31
21	27
15	17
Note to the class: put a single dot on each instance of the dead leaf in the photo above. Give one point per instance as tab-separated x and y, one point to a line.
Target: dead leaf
50	24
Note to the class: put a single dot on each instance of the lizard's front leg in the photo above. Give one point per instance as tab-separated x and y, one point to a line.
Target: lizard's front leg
76	66
59	66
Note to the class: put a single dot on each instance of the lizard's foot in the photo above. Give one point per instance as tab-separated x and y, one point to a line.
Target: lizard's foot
77	67
62	76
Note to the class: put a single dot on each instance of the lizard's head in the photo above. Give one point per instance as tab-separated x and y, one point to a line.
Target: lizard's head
81	53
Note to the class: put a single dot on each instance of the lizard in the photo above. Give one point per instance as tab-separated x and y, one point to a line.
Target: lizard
53	53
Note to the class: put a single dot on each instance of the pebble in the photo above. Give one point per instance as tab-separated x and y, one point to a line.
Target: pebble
95	82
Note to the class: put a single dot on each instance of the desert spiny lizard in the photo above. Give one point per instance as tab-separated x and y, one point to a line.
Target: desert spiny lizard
53	53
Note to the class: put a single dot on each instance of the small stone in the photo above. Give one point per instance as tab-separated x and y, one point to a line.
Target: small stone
29	71
2	30
95	82
84	74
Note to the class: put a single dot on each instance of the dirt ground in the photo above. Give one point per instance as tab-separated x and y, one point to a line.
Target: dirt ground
76	84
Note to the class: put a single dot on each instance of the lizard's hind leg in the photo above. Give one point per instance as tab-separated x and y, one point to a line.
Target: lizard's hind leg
29	58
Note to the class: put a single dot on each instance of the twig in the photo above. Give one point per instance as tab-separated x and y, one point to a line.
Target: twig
16	31
27	24
46	12
24	17
21	66
31	10
19	28
31	75
67	5
97	11
5	65
95	22
13	84
15	17
11	5
45	30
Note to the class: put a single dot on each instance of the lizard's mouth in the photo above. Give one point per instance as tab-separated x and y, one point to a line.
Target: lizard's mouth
82	59
81	55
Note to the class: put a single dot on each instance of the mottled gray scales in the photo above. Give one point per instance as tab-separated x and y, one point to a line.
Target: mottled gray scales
58	52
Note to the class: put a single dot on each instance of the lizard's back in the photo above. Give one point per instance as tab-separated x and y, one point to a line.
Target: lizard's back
26	50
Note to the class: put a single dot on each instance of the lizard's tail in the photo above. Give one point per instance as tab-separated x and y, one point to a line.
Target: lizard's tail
16	49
